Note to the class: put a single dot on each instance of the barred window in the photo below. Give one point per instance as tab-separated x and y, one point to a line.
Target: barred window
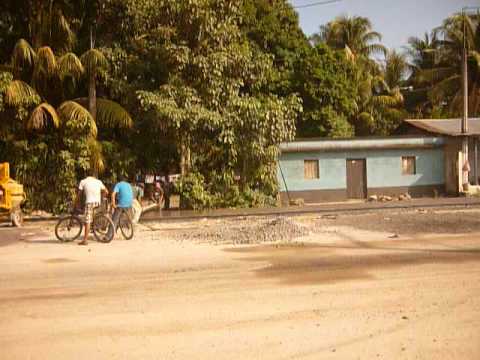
409	166
311	170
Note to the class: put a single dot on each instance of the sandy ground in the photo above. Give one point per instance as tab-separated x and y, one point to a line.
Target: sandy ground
341	292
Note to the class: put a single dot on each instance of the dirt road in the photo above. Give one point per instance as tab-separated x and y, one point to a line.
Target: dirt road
343	294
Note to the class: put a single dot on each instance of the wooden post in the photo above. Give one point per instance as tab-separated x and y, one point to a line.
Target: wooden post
475	160
465	109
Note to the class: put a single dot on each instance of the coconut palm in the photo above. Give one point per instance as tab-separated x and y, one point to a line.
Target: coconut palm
421	52
379	106
396	68
354	33
49	76
423	55
445	76
95	63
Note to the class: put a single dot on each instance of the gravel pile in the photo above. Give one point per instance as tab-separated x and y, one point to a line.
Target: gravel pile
247	231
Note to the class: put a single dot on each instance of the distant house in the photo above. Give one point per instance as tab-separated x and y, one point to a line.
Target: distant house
422	162
330	170
450	130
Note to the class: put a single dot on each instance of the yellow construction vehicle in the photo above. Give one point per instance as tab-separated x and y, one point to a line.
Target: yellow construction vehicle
11	196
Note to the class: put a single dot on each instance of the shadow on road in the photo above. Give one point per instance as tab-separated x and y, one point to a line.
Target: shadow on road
331	263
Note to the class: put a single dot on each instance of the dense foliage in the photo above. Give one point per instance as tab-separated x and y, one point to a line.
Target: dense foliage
203	88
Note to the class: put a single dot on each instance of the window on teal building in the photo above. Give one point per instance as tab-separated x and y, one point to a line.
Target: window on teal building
311	170
409	166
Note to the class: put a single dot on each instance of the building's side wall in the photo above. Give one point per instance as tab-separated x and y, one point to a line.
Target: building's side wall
384	173
453	149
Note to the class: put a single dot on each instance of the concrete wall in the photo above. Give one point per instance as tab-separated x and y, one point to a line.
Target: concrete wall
384	169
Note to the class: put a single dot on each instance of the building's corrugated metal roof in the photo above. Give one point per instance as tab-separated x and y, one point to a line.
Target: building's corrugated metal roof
362	144
451	127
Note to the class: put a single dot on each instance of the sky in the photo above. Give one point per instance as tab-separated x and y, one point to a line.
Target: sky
396	20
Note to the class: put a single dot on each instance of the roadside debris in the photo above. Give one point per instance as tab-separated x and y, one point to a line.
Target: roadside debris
297	202
248	232
329	217
385	198
404	197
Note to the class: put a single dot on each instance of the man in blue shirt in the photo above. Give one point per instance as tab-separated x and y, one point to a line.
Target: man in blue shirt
122	199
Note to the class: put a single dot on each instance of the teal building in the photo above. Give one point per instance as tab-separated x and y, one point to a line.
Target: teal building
332	170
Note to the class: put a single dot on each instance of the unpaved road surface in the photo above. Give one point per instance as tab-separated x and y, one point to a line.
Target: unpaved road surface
338	293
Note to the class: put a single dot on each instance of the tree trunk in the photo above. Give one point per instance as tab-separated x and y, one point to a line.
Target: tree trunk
92	87
92	96
185	158
35	24
243	175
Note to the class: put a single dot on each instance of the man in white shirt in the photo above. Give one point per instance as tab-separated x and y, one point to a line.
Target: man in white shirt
92	189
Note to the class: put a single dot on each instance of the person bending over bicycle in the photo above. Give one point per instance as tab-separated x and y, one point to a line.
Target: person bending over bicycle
92	189
122	199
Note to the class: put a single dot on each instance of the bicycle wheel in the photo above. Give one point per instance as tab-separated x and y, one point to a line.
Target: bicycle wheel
126	225
103	228
68	228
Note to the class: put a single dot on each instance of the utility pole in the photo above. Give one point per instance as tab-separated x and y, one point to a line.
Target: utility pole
465	164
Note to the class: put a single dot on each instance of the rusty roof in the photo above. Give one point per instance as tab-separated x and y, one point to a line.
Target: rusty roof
451	127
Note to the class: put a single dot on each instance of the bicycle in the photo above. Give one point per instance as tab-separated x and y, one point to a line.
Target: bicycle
69	227
125	223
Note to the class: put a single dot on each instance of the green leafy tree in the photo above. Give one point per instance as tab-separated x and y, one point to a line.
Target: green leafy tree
324	80
212	97
273	26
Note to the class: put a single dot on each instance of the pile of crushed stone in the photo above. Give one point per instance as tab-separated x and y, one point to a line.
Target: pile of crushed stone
247	232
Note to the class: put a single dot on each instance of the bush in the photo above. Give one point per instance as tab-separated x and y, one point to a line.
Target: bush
196	194
193	195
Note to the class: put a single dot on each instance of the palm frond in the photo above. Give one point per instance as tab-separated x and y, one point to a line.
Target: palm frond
97	160
77	117
41	115
349	54
371	49
19	93
64	32
394	113
385	100
434	75
476	56
46	61
366	120
372	36
109	114
449	85
93	60
23	55
70	65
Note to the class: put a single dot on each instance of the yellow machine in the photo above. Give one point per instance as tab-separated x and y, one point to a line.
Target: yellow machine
11	196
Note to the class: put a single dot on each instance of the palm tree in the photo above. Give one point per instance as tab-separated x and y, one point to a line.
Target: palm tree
353	33
95	63
379	106
421	52
445	76
49	76
396	69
